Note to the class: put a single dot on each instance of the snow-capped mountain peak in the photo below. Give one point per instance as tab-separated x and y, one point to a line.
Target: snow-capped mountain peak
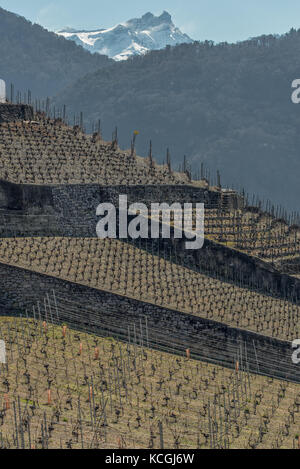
134	37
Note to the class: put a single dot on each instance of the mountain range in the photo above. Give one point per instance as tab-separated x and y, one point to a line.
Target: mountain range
134	37
36	59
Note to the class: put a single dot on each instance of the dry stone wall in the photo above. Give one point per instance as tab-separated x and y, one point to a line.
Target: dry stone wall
15	112
112	315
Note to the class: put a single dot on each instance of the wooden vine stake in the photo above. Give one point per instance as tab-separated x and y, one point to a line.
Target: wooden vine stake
90	394
6	400
49	397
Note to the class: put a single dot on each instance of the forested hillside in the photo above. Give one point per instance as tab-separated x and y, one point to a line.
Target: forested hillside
226	105
32	57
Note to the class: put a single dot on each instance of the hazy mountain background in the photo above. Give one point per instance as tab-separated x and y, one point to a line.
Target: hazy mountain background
32	57
228	106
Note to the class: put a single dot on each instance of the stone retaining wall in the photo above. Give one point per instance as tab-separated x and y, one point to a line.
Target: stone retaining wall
15	112
107	314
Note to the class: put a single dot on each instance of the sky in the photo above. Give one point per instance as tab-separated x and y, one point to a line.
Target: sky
217	20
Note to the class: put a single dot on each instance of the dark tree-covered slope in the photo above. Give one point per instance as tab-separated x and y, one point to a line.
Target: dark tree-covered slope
228	105
32	57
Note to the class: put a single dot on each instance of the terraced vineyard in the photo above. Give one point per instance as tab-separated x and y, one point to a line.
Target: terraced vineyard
62	388
257	233
123	269
49	152
72	385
